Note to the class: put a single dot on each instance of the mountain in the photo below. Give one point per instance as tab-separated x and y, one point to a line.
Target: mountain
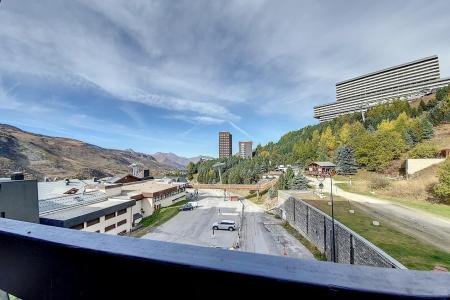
40	156
175	161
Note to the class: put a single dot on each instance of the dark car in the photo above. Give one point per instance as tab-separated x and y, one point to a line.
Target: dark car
187	206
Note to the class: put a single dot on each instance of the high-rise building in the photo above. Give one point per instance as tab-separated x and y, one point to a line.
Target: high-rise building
245	149
225	144
407	81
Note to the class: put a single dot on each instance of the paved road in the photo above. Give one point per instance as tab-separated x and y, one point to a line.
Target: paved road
261	233
195	227
422	225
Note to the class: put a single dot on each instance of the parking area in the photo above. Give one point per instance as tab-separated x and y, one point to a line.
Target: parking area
195	226
261	233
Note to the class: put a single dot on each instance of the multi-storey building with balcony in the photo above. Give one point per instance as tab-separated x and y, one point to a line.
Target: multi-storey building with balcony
407	82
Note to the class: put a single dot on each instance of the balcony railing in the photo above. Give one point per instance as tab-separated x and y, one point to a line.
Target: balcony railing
42	262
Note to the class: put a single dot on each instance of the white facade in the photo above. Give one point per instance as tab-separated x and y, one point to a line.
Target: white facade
408	81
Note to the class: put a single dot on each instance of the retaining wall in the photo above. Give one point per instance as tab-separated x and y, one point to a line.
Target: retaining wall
316	226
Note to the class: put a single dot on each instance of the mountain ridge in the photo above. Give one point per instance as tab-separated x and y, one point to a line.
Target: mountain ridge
173	160
40	156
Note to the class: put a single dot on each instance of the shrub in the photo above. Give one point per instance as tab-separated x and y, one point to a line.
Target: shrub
442	188
424	150
378	183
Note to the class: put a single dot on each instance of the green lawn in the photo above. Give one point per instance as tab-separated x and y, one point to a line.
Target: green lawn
411	252
253	197
442	210
158	218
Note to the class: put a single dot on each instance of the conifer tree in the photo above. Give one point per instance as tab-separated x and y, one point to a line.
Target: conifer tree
299	182
345	160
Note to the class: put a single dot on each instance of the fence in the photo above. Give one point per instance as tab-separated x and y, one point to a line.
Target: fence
316	226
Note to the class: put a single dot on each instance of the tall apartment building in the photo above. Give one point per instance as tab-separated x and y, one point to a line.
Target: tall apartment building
225	144
245	149
407	82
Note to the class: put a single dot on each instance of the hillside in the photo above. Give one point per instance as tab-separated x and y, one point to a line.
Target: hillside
175	161
42	156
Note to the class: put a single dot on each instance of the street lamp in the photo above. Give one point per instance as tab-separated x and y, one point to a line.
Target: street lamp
219	166
321	179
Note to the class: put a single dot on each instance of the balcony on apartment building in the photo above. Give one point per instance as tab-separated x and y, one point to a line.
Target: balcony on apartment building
43	262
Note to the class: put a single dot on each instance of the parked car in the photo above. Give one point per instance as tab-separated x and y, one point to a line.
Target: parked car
193	203
225	225
187	206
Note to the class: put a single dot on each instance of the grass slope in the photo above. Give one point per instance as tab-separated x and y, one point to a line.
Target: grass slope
411	252
158	218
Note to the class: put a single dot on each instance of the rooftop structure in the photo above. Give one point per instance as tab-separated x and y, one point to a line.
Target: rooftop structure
406	81
19	200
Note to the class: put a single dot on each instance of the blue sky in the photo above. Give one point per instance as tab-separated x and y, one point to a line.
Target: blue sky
168	75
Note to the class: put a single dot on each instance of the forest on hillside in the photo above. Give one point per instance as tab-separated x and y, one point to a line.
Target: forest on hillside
388	131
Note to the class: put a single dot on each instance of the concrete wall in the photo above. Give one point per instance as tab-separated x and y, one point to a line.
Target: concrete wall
418	164
19	200
316	226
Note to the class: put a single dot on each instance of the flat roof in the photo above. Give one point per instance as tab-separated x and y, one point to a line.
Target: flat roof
74	216
52	189
70	201
149	186
389	69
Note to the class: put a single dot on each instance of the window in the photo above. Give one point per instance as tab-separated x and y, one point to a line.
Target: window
110	227
78	227
110	216
121	212
121	222
92	222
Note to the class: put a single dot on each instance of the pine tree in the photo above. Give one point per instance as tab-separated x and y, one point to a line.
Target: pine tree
345	160
289	176
410	137
299	182
422	106
281	183
427	129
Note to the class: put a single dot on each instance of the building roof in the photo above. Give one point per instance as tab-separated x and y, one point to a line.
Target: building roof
52	189
324	164
389	69
75	215
149	187
118	178
70	201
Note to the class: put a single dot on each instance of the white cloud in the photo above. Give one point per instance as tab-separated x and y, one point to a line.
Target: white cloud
208	59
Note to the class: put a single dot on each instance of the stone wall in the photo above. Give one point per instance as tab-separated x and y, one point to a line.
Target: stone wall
317	227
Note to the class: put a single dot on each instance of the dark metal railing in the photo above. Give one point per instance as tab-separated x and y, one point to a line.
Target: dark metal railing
43	262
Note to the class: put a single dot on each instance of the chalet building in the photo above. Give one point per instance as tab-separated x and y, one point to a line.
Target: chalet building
320	168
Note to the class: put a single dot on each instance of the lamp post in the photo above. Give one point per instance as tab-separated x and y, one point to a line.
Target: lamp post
331	174
219	166
321	178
